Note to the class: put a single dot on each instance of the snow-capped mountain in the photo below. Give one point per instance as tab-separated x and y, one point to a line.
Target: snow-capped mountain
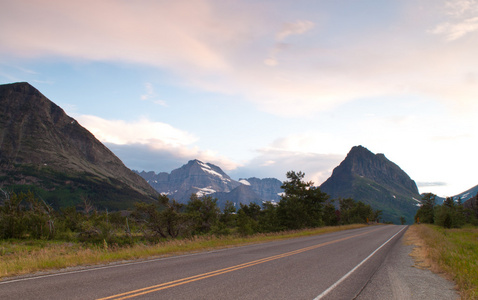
268	189
468	194
197	177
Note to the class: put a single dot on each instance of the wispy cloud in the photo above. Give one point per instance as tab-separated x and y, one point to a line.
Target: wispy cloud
161	33
454	31
463	16
217	47
317	167
431	184
151	140
156	134
288	29
293	28
150	95
149	91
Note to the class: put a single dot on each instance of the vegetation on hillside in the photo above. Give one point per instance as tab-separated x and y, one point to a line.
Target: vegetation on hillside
450	214
25	216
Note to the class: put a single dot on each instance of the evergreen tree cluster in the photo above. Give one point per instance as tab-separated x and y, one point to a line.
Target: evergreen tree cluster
301	206
450	214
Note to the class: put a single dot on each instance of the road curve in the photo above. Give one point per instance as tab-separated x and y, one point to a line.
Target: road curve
330	266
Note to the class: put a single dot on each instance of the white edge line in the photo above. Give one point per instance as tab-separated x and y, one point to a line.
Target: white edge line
333	286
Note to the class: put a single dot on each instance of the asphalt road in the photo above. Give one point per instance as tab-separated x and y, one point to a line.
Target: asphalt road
331	266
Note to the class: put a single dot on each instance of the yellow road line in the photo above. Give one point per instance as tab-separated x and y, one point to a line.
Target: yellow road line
170	284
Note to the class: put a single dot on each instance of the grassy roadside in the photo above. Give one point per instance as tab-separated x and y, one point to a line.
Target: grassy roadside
20	257
452	251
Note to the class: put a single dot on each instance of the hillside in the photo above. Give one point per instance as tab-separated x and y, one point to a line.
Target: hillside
466	195
373	179
44	150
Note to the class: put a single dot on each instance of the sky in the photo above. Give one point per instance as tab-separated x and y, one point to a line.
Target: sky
260	87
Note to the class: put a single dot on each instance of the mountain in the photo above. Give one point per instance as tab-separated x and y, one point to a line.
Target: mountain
44	150
375	180
468	194
472	204
242	194
197	177
268	189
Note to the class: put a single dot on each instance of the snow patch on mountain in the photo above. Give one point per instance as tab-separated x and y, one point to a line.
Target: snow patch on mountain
206	168
204	191
244	182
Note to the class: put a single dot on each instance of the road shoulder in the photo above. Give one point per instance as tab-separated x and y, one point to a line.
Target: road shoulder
401	277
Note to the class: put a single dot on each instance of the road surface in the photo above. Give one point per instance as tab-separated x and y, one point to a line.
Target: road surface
332	266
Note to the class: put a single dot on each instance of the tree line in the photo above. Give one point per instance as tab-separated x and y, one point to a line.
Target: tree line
301	206
451	214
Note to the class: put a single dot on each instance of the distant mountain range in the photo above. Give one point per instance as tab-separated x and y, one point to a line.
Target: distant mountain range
375	180
362	176
197	177
43	149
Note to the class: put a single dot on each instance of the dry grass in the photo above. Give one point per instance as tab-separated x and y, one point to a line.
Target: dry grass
450	251
24	257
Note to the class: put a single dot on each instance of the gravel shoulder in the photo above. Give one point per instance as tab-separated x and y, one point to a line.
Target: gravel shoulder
403	277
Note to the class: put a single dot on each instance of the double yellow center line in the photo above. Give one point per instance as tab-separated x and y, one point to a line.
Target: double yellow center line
170	284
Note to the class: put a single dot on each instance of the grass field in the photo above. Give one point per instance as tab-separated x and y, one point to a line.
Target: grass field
19	257
453	251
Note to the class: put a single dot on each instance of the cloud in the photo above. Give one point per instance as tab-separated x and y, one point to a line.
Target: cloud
151	146
454	31
459	8
143	157
288	29
431	184
276	163
162	33
156	134
294	28
304	152
219	47
149	91
463	16
150	95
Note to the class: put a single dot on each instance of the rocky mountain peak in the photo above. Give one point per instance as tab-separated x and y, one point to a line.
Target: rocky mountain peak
40	144
362	162
197	177
375	180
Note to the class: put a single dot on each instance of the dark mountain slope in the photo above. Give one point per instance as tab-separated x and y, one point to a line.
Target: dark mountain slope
43	149
373	179
472	204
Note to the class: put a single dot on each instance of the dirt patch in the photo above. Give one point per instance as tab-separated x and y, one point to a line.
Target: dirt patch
421	254
420	251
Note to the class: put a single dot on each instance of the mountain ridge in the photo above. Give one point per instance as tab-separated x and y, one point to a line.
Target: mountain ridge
41	146
206	179
375	180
